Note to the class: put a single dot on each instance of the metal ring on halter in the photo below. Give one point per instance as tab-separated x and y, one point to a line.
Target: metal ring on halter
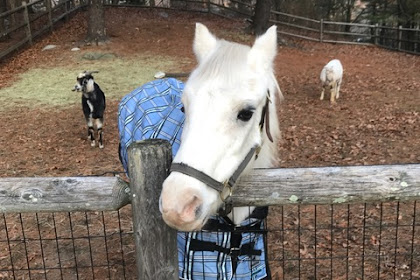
226	192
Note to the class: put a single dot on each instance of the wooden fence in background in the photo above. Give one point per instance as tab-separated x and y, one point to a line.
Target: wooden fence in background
394	38
149	161
23	24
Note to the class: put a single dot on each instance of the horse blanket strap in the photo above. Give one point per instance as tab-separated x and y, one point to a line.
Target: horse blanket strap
234	252
246	249
223	223
226	252
225	188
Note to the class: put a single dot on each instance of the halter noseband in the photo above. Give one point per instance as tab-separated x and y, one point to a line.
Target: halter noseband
225	188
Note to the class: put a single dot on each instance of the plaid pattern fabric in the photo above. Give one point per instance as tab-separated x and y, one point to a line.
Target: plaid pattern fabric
154	111
214	265
151	111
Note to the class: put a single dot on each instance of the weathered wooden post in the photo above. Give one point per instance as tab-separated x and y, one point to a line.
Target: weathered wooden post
321	30
399	37
49	10
156	247
66	10
376	34
27	22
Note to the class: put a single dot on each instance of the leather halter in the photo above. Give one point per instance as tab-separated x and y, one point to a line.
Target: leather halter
225	188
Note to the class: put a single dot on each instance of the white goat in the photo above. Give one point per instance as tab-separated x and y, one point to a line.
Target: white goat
332	76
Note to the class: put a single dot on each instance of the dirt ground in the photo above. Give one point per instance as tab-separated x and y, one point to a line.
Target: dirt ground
375	121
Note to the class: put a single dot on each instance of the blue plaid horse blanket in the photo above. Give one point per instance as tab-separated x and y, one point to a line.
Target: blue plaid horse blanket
154	111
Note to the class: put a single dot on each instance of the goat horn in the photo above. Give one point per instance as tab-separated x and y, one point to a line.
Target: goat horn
89	72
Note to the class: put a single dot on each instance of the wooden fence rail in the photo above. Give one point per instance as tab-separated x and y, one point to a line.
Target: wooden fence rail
62	194
404	39
149	162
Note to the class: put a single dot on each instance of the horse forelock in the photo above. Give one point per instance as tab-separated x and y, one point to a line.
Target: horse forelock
225	65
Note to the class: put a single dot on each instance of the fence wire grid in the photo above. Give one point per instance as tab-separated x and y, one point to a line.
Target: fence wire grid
365	241
91	245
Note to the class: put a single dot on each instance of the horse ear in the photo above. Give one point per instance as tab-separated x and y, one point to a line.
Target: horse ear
264	50
204	42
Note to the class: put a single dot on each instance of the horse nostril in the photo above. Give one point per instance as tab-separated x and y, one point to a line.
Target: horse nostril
192	209
160	206
198	211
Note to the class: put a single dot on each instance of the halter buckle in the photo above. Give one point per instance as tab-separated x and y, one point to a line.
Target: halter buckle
269	97
226	192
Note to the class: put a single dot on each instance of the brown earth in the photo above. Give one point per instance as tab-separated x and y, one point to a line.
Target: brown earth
375	121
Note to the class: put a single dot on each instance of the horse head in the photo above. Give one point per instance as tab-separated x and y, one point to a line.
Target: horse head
230	126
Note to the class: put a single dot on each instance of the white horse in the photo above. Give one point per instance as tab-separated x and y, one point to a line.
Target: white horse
230	115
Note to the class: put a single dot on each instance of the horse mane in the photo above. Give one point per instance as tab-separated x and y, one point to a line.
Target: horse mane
229	58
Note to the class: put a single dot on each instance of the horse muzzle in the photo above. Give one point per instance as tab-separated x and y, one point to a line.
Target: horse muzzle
182	212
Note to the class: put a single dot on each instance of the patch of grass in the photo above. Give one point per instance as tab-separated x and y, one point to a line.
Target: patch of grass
51	87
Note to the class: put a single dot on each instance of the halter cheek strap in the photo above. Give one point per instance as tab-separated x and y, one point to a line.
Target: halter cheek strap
224	188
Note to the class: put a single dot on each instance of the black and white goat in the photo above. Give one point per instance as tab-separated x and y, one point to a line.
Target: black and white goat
93	104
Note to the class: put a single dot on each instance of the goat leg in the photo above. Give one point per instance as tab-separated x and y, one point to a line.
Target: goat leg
333	93
322	93
101	139
91	135
91	131
99	124
337	90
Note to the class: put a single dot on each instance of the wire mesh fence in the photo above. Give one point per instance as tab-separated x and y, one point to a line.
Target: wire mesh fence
91	245
367	241
361	241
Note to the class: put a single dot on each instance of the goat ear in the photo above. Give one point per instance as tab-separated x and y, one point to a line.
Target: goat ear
264	50
204	42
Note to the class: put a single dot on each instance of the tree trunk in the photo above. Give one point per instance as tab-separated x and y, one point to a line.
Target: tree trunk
261	16
96	27
4	22
3	8
277	8
349	10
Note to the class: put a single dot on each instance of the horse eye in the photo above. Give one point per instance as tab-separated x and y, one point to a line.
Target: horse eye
245	115
182	109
